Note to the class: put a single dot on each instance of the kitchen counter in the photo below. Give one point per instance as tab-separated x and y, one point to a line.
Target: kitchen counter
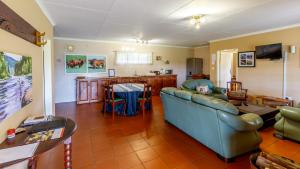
116	77
91	89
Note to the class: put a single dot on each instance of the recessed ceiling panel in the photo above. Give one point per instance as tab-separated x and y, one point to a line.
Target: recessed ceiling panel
97	5
167	21
75	22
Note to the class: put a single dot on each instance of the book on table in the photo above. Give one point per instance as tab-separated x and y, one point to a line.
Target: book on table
17	153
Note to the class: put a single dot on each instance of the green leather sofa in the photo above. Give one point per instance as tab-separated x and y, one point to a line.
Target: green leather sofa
217	92
211	121
288	123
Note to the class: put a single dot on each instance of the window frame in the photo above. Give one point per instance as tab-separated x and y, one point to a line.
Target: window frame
138	62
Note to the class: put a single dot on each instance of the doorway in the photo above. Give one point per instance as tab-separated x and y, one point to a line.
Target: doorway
226	66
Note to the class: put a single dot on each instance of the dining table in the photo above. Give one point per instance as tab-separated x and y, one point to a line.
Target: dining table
130	92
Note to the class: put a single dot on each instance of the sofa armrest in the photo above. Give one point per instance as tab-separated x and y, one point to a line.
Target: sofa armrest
219	90
292	113
245	122
278	117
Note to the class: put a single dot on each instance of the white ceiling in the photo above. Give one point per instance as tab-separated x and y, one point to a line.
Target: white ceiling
167	21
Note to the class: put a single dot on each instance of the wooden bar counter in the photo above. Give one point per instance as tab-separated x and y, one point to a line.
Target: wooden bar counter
90	89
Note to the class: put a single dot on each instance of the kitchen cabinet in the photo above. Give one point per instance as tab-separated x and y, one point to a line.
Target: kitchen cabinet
92	89
87	91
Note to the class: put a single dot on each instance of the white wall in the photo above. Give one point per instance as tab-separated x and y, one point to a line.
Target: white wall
267	77
31	12
65	83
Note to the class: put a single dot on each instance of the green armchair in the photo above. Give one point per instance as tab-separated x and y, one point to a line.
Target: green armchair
288	123
217	92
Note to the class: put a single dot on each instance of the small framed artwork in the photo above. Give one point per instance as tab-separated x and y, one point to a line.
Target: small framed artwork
75	63
158	58
111	72
96	64
246	59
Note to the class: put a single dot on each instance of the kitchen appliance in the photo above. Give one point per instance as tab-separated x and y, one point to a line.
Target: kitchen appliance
156	72
169	71
194	66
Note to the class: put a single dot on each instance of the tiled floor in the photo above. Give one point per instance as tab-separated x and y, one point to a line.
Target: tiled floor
134	143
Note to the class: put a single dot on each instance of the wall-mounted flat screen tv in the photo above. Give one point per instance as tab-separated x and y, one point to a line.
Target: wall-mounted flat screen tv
272	51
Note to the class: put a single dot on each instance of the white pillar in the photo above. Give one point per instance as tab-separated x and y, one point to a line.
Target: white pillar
48	81
284	86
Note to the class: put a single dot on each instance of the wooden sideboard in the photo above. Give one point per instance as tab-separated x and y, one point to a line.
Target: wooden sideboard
90	90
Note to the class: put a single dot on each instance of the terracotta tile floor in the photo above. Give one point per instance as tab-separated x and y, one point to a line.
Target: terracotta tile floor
134	143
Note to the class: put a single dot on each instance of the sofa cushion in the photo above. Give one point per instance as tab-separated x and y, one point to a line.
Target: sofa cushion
215	103
169	90
192	84
186	95
219	90
219	96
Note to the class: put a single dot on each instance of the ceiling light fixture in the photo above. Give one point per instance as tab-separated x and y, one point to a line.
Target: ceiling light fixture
142	42
197	20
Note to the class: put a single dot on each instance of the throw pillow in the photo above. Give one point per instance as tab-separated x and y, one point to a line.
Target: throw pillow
202	89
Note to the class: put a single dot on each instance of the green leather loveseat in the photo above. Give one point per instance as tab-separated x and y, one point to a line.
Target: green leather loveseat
211	121
288	123
217	92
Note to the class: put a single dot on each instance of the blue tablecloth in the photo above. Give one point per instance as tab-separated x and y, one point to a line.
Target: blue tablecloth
130	92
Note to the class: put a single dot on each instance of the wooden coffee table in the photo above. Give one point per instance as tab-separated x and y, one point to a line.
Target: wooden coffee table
70	128
265	112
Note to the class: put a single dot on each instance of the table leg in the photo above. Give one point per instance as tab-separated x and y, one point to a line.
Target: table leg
68	153
32	163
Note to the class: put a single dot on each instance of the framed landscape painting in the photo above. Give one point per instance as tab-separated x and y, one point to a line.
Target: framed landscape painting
15	83
75	63
96	64
246	59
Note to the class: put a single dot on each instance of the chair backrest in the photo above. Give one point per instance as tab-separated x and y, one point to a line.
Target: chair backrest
113	81
147	94
142	81
234	86
109	93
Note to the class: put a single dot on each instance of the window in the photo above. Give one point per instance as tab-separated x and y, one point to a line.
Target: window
123	58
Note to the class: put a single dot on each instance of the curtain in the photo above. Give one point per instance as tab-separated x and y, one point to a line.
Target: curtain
225	65
123	58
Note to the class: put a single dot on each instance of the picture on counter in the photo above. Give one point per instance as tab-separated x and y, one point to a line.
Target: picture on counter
246	59
111	72
96	64
15	83
75	63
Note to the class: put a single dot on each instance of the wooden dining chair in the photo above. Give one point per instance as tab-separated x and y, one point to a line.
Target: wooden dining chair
109	99
113	81
235	91
146	98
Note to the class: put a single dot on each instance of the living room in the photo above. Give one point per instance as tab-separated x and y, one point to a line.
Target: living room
183	84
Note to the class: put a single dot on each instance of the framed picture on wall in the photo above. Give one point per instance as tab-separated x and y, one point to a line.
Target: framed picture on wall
81	63
96	64
75	63
15	83
246	59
